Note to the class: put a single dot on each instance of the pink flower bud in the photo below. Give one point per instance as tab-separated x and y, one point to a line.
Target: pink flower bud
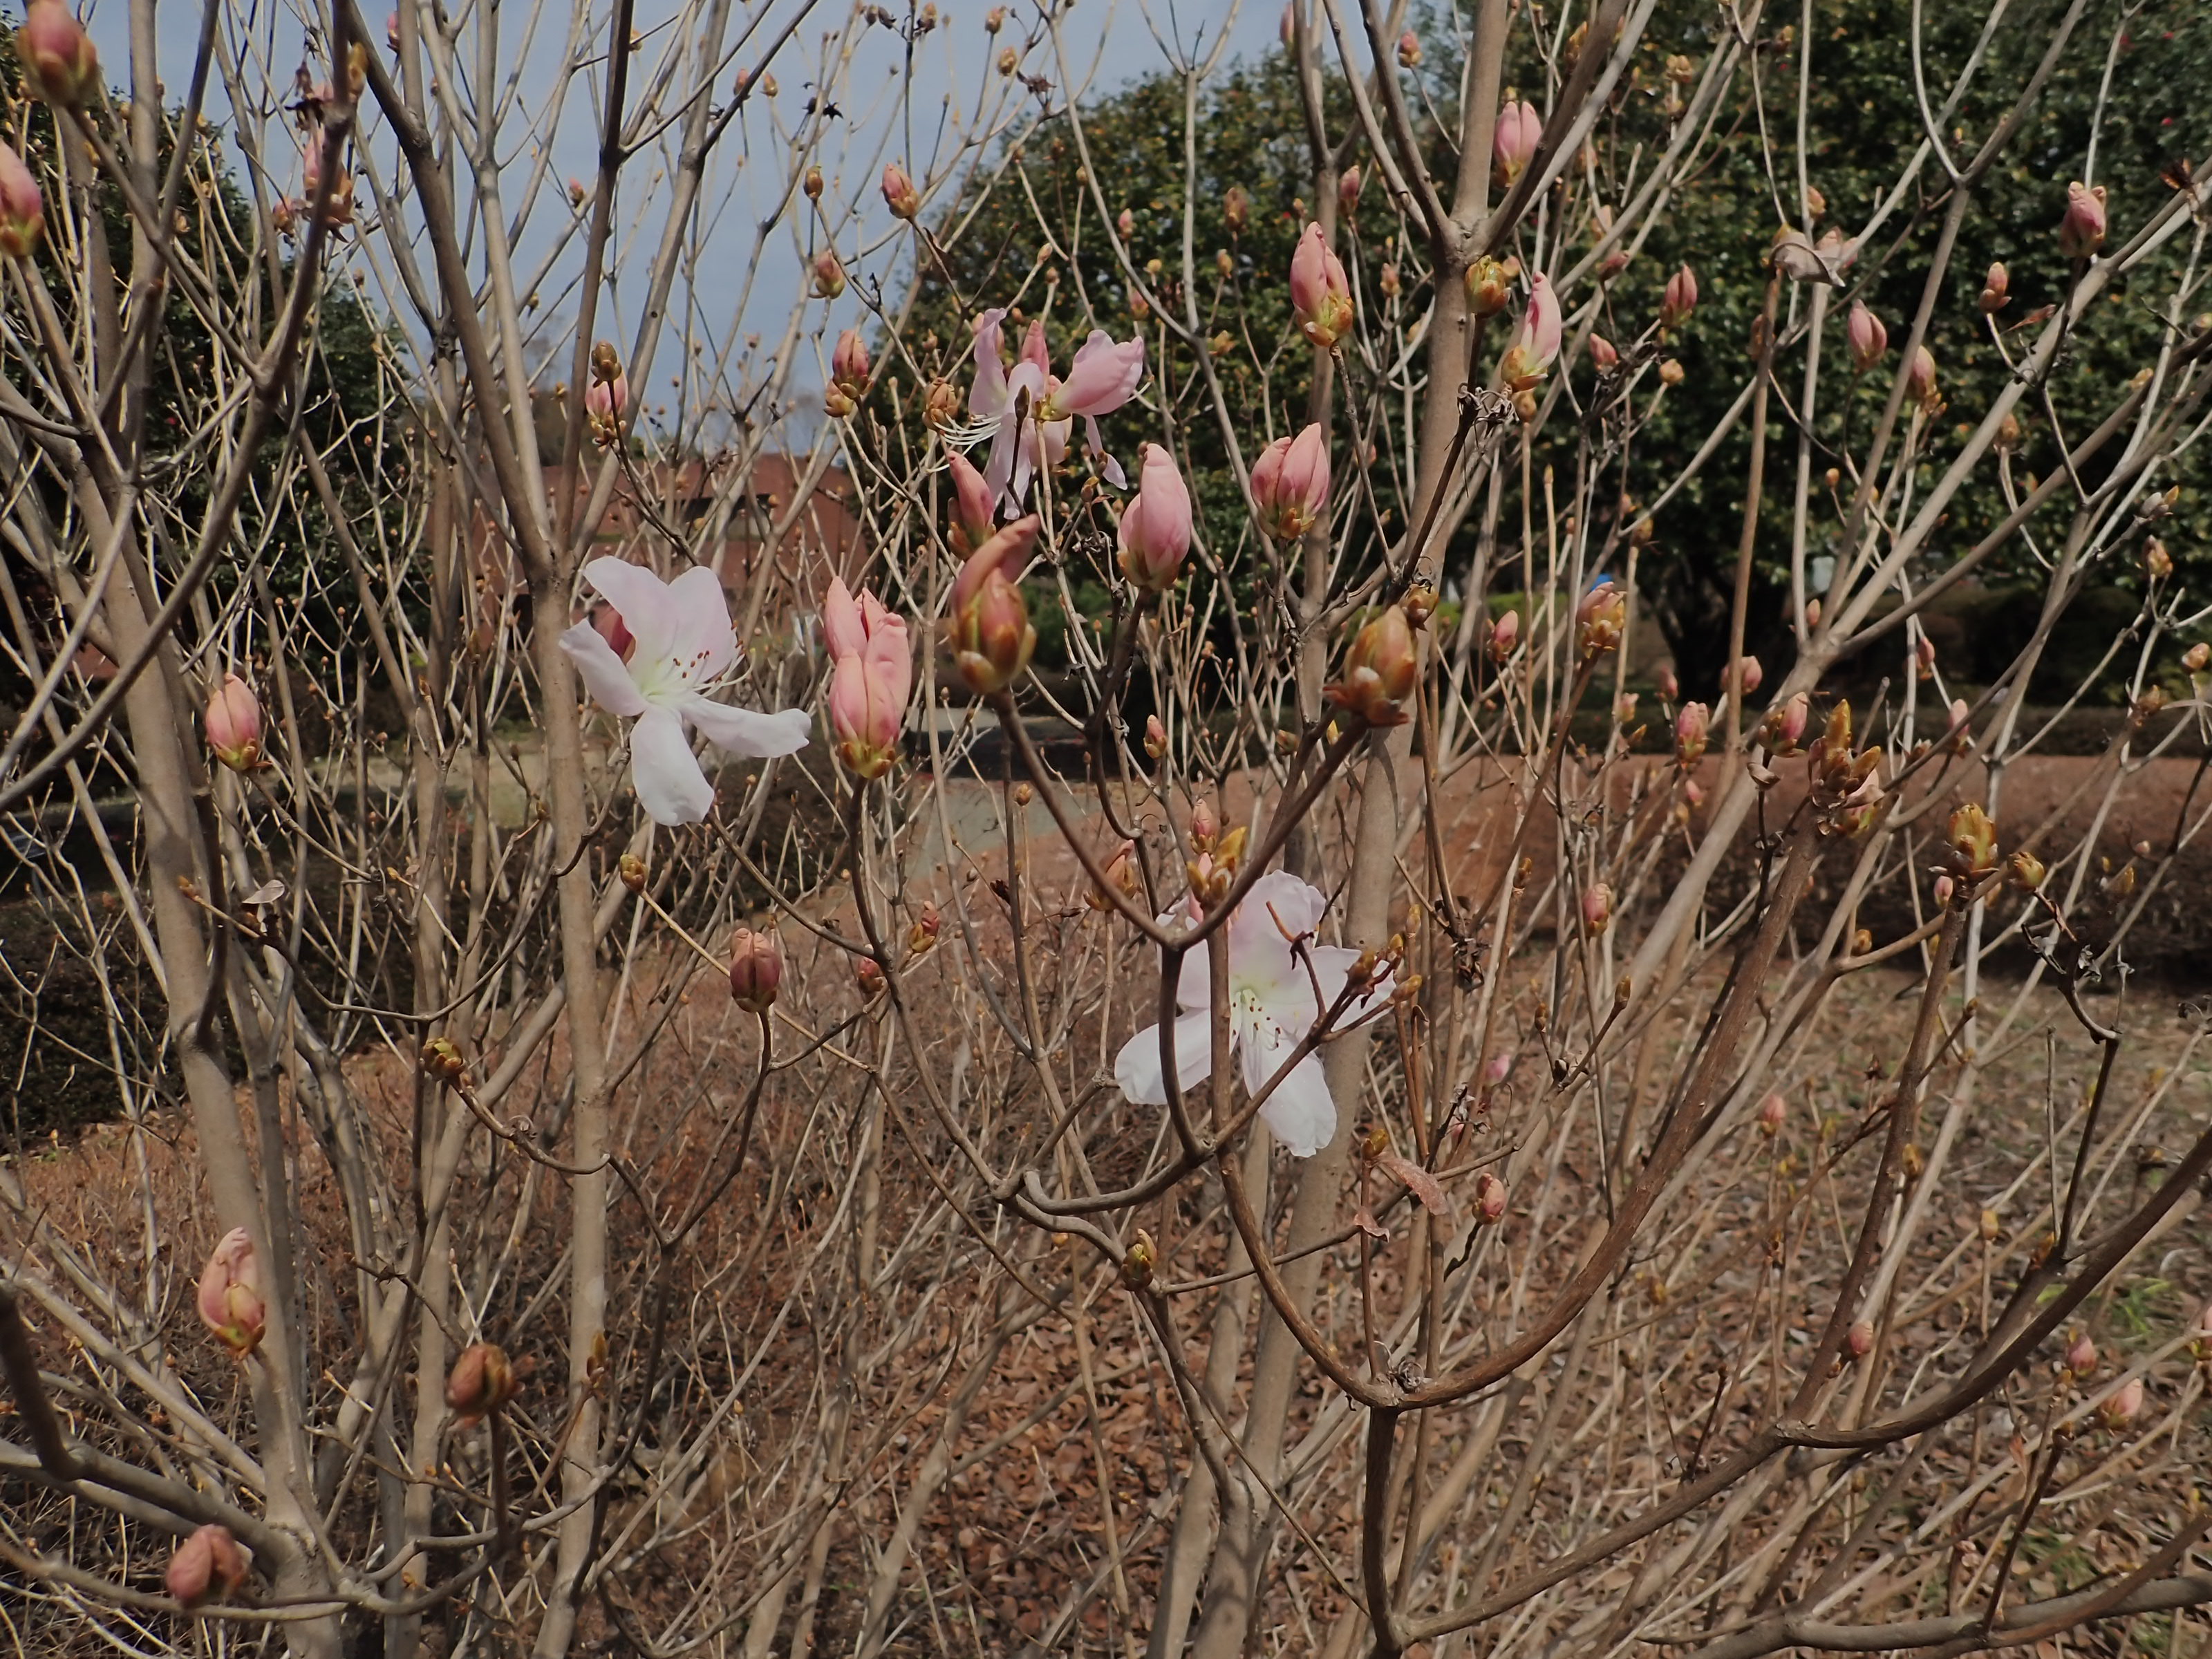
1924	657
1504	636
2196	657
1624	708
1944	886
1681	298
230	1303
392	30
1514	140
1125	223
1379	670
481	1382
2082	1357
208	1564
234	724
755	970
1409	50
1920	380
1604	356
1500	1068
1996	288
1156	527
1320	296
1781	729
972	505
992	639
1694	792
1156	737
828	276
1858	1341
1489	286
1204	826
868	975
1489	1197
1290	483
1287	30
1812	616
848	364
1669	687
1535	345
1869	338
1600	618
2119	1407
1597	909
22	209
871	681
2082	230
1771	1112
1348	184
1691	725
58	56
604	404
899	193
1747	677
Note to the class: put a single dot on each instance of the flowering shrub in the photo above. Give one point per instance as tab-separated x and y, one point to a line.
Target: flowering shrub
1293	1071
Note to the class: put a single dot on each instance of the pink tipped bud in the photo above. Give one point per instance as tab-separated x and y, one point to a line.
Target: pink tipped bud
1624	708
1996	288
2195	658
1681	299
1747	676
1691	725
481	1382
1348	186
1379	670
1156	737
1321	296
1287	30
1489	1197
755	970
1204	826
1944	887
22	209
1924	657
1869	340
1694	792
899	193
1500	1068
2082	230
2119	1407
868	975
1604	356
871	681
234	724
1409	50
604	404
1597	909
1514	140
1782	729
2082	1357
1504	636
848	364
1771	1112
1600	619
1125	223
1290	483
828	276
1155	530
1669	687
1812	615
1858	1341
208	1565
230	1303
1536	345
392	30
992	638
971	501
1920	381
56	55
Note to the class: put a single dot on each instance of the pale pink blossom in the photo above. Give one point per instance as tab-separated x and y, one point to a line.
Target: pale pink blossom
1155	530
1290	483
1513	142
869	684
1535	345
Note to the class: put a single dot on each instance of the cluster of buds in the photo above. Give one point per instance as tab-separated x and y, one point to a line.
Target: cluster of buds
1409	50
232	721
1379	670
230	1302
2157	562
899	193
1868	338
755	970
1971	844
208	1565
848	375
607	397
992	638
337	202
1320	294
1600	619
633	872
22	209
2025	871
1290	483
1847	785
1513	143
1155	526
481	1382
57	56
2081	228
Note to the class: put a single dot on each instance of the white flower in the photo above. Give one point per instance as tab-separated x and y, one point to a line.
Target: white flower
1105	376
683	643
1271	1007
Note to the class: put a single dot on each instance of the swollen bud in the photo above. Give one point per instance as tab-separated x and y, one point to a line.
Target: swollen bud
1597	909
1600	619
208	1564
234	724
755	970
2082	1357
1489	1200
1995	290
1858	1341
1379	670
1771	1111
481	1382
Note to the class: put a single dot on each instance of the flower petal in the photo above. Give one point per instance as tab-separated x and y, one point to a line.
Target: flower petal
1137	1067
987	398
662	769
649	609
1278	909
746	731
1300	1111
701	641
602	671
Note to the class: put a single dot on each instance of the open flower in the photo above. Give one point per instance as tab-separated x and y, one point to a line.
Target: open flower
868	688
1027	414
1275	971
685	643
230	1302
